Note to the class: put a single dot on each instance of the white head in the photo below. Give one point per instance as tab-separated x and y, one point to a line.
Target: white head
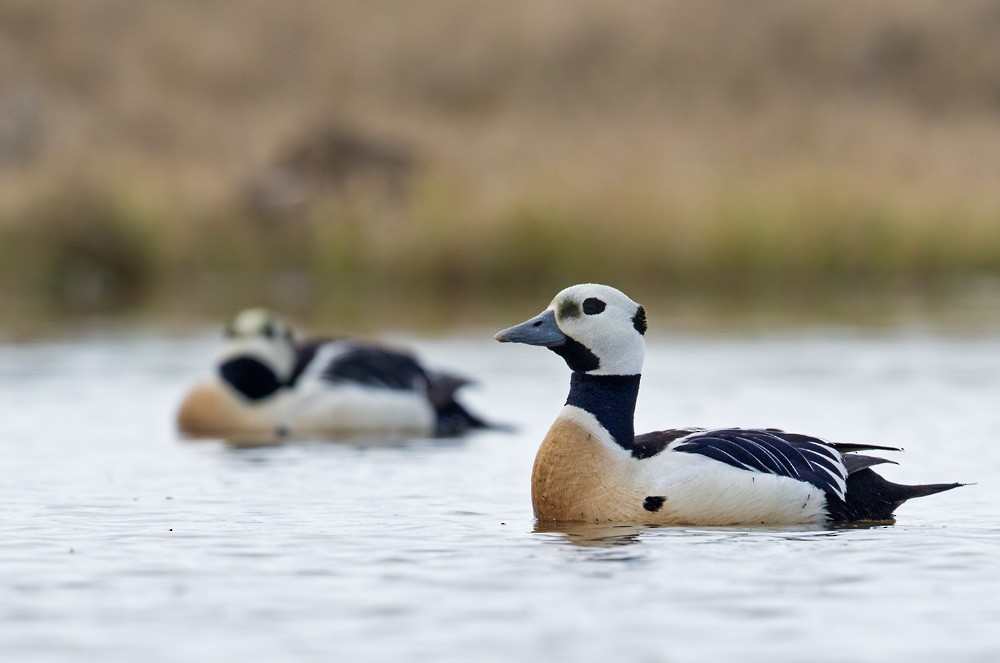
595	328
259	334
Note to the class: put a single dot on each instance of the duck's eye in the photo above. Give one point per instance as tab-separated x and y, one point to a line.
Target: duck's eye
269	330
229	331
593	305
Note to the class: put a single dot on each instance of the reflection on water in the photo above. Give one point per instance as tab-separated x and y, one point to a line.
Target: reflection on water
597	536
256	441
121	541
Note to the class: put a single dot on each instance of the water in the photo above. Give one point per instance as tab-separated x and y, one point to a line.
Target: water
119	541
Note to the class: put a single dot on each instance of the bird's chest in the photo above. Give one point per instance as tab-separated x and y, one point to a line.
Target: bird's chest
214	409
579	477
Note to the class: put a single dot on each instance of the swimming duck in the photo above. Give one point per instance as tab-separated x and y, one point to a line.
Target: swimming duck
591	467
269	385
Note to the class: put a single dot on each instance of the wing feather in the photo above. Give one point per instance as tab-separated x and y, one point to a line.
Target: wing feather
376	367
771	451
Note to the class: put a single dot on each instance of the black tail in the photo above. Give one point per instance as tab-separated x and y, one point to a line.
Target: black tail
870	497
441	387
454	419
846	447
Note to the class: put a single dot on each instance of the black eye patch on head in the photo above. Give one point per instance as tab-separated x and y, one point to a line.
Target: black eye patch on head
639	320
593	305
568	309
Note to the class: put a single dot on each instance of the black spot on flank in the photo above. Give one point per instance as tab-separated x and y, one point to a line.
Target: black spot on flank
653	504
639	320
568	309
593	305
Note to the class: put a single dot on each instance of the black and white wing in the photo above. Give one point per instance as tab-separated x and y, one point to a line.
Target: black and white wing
305	354
376	367
648	445
338	360
772	451
342	362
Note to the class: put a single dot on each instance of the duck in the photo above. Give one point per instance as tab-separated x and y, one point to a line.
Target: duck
268	385
592	468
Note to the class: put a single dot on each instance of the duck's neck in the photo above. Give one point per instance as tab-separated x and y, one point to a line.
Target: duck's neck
251	377
611	399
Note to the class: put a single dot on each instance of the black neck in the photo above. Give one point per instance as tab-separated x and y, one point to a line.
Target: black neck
250	377
611	399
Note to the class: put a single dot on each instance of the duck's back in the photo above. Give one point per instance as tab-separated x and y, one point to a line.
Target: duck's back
349	389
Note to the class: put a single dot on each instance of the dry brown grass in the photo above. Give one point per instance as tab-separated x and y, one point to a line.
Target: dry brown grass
705	146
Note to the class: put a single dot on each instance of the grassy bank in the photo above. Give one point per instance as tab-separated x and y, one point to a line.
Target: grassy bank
317	156
116	254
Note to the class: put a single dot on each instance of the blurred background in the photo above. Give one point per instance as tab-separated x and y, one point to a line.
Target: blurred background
434	163
804	194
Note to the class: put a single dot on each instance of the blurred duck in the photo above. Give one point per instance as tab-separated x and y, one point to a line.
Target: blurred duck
591	467
267	385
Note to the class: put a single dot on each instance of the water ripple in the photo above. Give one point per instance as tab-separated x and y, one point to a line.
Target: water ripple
119	541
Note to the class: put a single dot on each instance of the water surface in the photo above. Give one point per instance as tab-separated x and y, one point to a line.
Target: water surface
120	541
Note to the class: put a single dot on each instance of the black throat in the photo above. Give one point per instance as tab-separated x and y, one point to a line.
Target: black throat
611	399
250	377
